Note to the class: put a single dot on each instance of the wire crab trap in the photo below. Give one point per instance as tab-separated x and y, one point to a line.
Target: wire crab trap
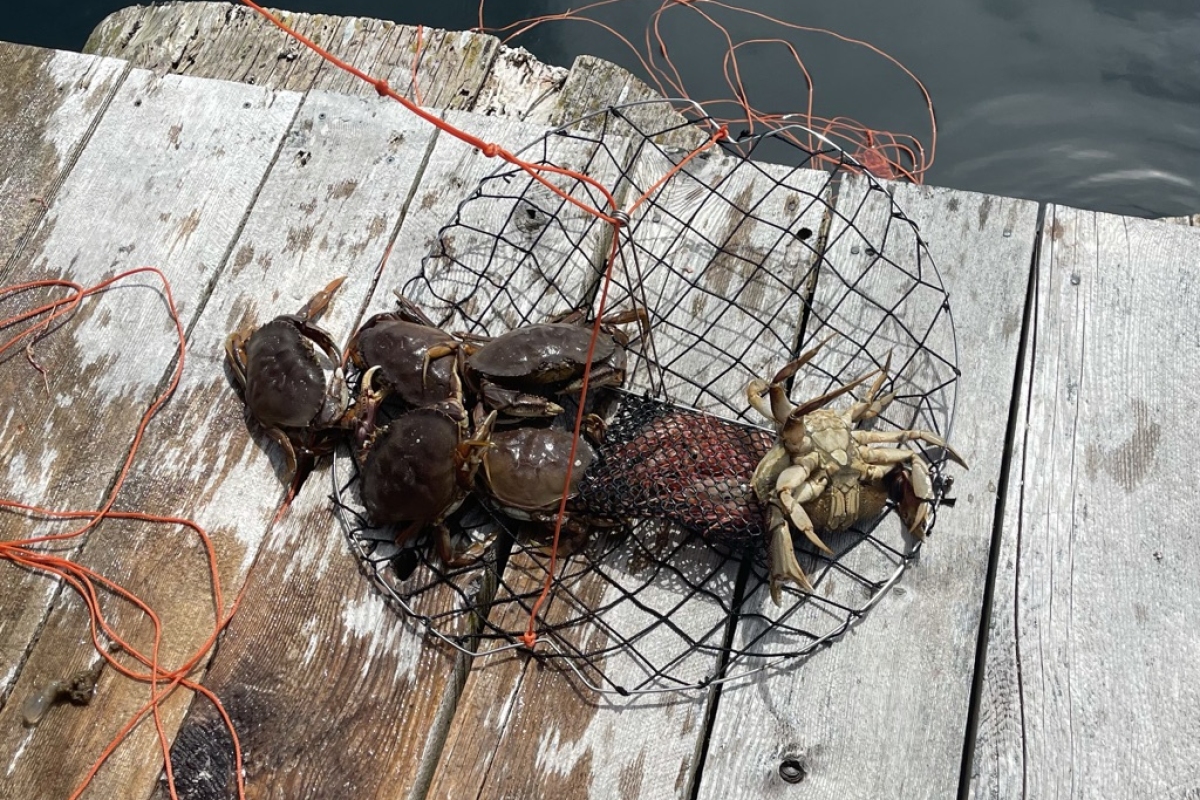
738	265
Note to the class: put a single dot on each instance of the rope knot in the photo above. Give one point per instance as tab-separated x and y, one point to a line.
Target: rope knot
381	86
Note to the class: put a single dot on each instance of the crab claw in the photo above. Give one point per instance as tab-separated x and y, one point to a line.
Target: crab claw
916	495
781	556
316	306
368	406
756	391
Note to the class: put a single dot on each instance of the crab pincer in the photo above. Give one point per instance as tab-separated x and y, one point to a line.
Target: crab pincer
418	363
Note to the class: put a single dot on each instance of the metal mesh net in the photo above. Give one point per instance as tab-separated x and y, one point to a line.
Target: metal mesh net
739	264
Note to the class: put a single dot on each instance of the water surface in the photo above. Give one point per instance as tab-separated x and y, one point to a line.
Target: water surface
1090	103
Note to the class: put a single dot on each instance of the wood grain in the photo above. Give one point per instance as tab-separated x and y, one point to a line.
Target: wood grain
131	208
716	257
440	68
594	84
520	85
1096	575
50	102
882	713
444	69
214	40
486	751
517	250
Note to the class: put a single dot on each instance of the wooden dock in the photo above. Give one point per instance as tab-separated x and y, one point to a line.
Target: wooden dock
195	138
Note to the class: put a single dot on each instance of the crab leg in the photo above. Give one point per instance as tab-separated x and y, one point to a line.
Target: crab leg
434	353
812	405
755	395
411	311
881	457
916	487
289	453
872	406
917	494
235	353
780	408
901	437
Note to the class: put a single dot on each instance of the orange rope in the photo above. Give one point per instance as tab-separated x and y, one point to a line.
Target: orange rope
88	583
660	71
873	146
529	638
489	149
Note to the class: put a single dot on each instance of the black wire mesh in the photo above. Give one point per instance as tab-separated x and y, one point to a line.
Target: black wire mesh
739	265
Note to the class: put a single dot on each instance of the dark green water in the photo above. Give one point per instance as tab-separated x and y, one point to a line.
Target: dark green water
1090	103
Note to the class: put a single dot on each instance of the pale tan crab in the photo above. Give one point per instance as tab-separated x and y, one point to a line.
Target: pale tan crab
825	474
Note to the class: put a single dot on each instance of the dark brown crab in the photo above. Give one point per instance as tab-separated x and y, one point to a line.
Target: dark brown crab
518	372
300	401
411	354
525	470
417	469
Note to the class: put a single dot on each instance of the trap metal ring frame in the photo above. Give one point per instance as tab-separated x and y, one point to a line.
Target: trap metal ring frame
739	264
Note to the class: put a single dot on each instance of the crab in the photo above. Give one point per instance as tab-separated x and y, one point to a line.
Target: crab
517	372
417	469
824	473
299	400
525	470
411	354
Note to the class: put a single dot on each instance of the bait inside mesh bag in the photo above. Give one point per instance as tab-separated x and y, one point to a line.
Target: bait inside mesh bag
738	265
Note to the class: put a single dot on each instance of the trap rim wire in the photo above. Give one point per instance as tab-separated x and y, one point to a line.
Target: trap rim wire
724	667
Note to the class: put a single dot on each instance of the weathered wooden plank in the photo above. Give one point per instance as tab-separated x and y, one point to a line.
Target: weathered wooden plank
453	173
525	729
214	40
437	68
50	102
520	85
217	40
176	204
231	42
517	250
166	178
592	85
1091	649
720	255
595	84
1192	220
882	712
453	66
